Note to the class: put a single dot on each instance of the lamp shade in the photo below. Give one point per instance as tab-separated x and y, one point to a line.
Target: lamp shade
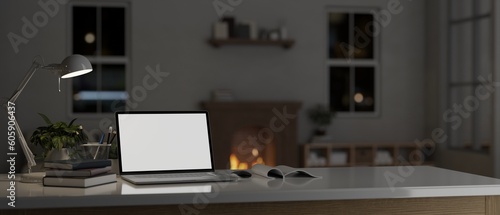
75	65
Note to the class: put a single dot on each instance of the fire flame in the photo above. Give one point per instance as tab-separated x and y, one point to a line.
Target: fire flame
237	164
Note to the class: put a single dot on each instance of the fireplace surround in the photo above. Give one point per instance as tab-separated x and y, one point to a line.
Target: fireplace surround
253	130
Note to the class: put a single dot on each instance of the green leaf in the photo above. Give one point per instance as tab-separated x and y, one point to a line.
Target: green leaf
45	118
57	135
71	123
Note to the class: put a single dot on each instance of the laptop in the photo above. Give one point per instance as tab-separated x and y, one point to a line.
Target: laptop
158	147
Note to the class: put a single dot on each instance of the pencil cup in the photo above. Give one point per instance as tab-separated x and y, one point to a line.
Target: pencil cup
96	151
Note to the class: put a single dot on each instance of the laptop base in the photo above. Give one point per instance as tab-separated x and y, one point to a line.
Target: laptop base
210	177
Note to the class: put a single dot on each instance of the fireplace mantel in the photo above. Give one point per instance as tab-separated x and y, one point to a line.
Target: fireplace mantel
280	117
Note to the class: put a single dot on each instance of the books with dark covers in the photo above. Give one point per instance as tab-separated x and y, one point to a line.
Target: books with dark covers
280	171
78	172
104	189
76	164
79	181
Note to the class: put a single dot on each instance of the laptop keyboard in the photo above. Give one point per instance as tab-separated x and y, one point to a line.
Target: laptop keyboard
177	175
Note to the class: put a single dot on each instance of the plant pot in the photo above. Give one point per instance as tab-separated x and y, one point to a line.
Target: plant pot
59	154
320	132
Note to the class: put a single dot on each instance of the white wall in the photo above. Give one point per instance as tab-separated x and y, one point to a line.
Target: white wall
173	35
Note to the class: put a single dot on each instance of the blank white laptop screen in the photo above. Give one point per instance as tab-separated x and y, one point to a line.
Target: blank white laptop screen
164	141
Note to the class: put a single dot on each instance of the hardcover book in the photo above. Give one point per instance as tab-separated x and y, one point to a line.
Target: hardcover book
78	172
79	181
76	164
105	189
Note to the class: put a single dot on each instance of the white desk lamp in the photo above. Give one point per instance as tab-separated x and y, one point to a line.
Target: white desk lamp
71	66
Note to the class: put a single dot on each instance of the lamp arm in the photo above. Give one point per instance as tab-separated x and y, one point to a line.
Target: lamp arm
30	157
24	145
34	67
73	63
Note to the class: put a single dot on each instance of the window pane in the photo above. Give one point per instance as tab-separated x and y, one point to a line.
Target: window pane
83	87
338	35
461	9
484	47
339	88
461	53
364	93
84	30
460	122
113	31
111	96
113	92
484	6
363	35
484	122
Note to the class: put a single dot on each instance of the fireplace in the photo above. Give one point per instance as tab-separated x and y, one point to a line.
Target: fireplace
246	133
248	149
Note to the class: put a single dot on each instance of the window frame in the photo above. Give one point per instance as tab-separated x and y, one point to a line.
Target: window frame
451	85
99	59
352	63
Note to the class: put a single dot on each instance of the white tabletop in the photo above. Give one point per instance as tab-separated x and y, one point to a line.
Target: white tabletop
345	183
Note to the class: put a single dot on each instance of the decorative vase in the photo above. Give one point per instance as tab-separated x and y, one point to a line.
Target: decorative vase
59	154
320	131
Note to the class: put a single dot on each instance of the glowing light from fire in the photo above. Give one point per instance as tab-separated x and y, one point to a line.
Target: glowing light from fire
235	163
255	152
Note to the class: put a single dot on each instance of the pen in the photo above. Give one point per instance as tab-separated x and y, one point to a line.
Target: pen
99	147
110	130
102	138
113	138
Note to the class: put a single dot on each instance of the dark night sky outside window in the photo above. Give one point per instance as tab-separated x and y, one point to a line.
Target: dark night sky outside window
99	33
352	62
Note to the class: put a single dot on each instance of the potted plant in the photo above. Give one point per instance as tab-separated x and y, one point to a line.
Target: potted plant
321	116
59	137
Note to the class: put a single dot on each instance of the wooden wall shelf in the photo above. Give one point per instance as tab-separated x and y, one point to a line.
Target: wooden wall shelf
284	43
335	154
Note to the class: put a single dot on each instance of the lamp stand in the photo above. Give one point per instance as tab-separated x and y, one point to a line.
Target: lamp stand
30	158
72	66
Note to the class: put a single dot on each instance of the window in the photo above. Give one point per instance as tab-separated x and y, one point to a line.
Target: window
353	62
470	36
98	31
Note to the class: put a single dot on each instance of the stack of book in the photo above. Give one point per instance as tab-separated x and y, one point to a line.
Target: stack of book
78	173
